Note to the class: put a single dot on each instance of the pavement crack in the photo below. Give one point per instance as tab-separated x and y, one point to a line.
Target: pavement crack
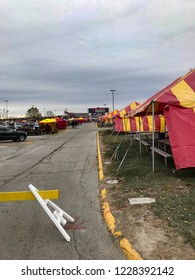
34	165
76	246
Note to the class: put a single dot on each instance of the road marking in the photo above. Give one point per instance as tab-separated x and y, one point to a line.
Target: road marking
27	195
29	142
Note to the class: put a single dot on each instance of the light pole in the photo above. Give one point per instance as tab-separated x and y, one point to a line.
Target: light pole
105	108
4	113
6	106
113	90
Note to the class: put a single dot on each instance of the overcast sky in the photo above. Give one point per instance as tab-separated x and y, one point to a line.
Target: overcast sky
58	54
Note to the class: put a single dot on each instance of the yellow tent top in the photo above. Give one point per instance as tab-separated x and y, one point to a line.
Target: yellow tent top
48	121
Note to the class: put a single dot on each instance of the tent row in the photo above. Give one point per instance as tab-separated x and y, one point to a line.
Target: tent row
172	109
54	124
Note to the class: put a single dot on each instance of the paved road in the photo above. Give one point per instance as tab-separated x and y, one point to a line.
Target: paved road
66	161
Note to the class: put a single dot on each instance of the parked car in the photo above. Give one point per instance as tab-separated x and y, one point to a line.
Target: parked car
9	133
18	125
31	127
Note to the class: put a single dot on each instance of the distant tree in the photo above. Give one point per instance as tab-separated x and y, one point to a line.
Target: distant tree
49	114
33	112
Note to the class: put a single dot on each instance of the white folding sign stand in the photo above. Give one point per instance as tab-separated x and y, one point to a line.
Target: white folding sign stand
58	216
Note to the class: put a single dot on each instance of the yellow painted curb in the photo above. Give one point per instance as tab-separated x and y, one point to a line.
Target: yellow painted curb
101	175
128	250
110	220
103	193
109	217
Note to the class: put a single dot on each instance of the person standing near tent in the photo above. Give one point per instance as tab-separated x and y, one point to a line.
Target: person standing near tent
72	123
47	129
75	123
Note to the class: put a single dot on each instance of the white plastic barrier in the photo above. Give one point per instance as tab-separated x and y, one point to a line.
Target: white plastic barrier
58	216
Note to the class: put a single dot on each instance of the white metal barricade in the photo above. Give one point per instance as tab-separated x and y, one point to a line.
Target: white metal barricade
58	217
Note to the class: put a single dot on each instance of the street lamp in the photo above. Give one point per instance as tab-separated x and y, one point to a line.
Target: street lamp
105	108
6	106
112	91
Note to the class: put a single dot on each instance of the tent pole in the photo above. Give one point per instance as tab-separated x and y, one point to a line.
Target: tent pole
153	136
115	155
110	135
125	128
116	136
123	159
140	146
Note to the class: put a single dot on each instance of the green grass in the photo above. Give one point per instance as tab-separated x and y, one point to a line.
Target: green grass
174	191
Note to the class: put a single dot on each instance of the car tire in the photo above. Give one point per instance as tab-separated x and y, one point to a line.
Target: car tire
22	138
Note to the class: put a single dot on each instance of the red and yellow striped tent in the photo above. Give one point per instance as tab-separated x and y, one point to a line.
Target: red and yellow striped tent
179	93
123	123
108	118
140	124
125	111
112	114
177	103
103	118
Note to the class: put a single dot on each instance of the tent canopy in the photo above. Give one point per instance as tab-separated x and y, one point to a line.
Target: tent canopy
180	92
112	114
61	123
47	121
125	111
177	103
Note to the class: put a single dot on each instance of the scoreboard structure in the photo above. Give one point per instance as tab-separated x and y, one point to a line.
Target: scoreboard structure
99	111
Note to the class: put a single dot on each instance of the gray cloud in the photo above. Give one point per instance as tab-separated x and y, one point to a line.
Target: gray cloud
69	54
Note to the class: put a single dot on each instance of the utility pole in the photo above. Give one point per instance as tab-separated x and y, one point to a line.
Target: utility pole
6	106
113	91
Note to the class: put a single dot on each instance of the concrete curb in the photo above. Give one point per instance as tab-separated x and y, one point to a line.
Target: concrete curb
125	245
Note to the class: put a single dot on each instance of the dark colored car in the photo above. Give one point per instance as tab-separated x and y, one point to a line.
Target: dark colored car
9	133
